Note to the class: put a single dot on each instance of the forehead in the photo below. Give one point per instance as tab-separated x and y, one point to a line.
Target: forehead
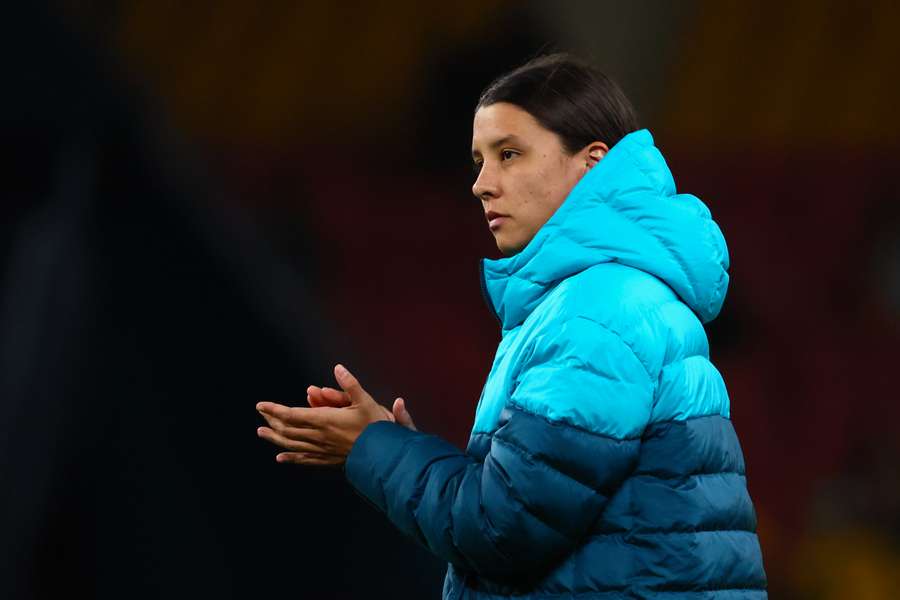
501	120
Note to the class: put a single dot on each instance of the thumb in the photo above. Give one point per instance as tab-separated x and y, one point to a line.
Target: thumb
401	415
350	385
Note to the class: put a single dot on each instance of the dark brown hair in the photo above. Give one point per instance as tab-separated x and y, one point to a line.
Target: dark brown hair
567	96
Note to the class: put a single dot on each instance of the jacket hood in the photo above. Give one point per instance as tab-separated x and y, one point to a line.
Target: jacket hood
624	210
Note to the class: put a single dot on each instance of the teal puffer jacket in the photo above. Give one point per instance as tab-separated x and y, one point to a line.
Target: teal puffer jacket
602	462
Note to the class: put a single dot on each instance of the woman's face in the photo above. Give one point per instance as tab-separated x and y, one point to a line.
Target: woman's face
524	173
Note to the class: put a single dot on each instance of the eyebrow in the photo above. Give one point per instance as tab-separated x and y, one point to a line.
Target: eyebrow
499	142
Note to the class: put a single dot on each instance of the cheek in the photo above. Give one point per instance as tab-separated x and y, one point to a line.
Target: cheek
537	187
546	190
536	191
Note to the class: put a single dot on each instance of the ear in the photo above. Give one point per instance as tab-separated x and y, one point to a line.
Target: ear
593	153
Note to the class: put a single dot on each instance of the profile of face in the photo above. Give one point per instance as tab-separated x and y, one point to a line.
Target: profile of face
524	172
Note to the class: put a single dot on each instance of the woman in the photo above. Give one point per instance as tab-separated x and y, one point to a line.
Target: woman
602	462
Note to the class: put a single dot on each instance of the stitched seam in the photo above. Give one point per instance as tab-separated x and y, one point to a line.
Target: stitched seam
519	450
531	457
513	406
663	371
616	334
389	470
624	342
694	418
491	530
652	532
686	475
675	589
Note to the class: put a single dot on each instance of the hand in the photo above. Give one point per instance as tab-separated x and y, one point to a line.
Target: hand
326	396
324	433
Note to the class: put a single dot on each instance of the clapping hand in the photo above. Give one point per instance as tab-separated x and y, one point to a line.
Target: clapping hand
324	433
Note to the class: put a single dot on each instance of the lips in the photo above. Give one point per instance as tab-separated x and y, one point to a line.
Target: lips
495	219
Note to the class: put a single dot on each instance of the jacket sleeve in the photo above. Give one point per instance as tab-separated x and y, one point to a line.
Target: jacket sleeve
567	437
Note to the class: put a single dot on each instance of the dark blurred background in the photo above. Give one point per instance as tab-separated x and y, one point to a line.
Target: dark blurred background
207	204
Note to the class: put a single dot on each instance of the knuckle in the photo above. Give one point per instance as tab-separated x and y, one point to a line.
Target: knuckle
294	415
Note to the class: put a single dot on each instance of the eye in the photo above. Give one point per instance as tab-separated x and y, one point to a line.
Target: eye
476	167
508	154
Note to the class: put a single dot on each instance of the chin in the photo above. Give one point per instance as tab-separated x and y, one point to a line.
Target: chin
508	249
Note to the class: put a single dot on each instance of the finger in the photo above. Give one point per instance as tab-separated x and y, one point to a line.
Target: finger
304	434
401	415
309	458
336	397
350	385
288	444
317	396
297	416
272	408
276	424
309	434
314	397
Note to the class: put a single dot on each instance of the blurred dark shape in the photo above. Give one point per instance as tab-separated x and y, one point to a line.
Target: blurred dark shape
852	546
138	331
454	80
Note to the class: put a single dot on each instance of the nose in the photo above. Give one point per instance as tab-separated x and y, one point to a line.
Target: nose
486	185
